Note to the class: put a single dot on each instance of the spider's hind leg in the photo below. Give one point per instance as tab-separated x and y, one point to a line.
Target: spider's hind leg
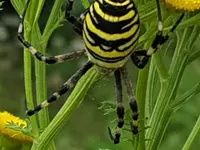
132	101
120	109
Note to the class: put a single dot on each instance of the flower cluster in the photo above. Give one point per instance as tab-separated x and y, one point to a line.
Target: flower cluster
183	5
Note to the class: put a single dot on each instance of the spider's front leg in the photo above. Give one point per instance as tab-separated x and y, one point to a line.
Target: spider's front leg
36	53
63	89
77	22
159	40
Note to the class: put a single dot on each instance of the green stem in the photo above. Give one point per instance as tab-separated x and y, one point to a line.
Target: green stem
193	134
28	76
151	86
63	115
51	22
161	114
35	9
40	76
40	72
28	91
140	96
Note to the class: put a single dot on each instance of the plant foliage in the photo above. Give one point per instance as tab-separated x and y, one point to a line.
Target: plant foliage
157	90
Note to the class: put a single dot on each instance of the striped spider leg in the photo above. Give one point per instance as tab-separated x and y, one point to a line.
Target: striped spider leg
52	60
158	41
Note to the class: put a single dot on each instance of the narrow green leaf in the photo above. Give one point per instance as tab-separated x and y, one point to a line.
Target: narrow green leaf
39	6
54	20
181	100
193	56
187	22
193	134
162	71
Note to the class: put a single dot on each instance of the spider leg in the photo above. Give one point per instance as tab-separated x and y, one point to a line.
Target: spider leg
37	54
159	40
132	101
120	108
63	89
77	22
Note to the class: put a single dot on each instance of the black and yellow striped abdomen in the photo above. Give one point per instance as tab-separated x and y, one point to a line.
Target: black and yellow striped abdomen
110	32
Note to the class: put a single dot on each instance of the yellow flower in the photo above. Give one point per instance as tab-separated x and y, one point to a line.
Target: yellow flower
183	5
5	120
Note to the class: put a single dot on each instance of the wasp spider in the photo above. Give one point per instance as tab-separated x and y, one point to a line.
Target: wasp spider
110	30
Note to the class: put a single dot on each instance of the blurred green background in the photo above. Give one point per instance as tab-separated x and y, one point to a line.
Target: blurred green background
87	128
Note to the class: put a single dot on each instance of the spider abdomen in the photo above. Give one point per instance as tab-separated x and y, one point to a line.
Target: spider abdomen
110	32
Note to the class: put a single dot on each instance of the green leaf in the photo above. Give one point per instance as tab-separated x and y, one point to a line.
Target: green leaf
184	98
192	136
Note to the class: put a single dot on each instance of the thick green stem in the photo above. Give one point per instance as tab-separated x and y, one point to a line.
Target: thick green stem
63	115
28	76
40	68
28	91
